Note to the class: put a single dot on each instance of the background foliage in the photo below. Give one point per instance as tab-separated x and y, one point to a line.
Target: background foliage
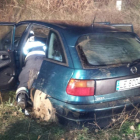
75	10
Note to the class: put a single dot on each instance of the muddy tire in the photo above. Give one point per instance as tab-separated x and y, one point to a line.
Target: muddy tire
43	108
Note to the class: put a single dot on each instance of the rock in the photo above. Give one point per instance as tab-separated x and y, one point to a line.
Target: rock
96	130
132	127
137	120
113	120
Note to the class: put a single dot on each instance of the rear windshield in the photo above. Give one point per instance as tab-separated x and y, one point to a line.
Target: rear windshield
109	48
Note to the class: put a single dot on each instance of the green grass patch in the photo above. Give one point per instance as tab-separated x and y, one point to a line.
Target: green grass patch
126	128
16	126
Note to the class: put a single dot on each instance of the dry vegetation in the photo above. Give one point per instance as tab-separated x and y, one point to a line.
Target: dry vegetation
74	10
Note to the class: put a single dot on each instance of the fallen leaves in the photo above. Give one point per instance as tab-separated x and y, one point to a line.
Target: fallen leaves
15	114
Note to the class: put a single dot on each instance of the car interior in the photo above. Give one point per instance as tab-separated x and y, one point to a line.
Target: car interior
54	51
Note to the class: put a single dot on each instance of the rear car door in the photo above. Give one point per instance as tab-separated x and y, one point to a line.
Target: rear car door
7	58
55	71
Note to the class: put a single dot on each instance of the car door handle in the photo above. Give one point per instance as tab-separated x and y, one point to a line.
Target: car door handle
4	57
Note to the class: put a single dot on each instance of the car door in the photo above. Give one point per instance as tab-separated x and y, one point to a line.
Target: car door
7	59
55	71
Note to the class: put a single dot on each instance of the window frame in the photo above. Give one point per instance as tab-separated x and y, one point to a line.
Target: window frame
36	24
28	29
62	47
25	37
24	32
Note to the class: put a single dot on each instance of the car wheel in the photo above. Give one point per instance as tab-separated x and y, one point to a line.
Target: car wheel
42	107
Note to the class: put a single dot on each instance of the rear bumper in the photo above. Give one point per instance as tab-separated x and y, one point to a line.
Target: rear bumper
97	111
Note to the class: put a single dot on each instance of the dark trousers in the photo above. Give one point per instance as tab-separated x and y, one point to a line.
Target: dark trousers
29	72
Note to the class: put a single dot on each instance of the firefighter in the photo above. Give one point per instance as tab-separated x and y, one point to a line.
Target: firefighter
34	52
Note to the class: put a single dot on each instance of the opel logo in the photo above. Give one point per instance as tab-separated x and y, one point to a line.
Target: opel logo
133	70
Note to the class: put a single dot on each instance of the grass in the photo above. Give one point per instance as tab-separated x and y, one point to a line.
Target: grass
14	125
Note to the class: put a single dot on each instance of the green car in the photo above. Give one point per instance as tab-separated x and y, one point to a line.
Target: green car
89	71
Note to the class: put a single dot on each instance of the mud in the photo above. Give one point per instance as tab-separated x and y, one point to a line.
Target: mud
42	107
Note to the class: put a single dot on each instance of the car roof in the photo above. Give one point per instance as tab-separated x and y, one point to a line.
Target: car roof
73	30
83	27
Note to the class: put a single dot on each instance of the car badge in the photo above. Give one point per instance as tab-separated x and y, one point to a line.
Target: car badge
133	70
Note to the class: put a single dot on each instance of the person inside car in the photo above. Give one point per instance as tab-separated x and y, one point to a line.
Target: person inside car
34	52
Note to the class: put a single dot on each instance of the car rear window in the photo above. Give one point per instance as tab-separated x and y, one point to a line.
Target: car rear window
109	48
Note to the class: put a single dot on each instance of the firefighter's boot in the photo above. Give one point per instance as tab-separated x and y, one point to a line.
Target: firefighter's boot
22	100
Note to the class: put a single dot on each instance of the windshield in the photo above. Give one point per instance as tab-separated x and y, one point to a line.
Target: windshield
109	48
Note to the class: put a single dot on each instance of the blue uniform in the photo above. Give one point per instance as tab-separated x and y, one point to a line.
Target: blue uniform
34	52
33	46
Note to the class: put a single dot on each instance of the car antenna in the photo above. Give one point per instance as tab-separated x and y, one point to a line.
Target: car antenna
94	19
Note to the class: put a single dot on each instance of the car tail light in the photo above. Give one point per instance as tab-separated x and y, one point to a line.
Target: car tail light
80	87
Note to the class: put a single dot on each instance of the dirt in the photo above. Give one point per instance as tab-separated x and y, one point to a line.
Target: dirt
43	108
